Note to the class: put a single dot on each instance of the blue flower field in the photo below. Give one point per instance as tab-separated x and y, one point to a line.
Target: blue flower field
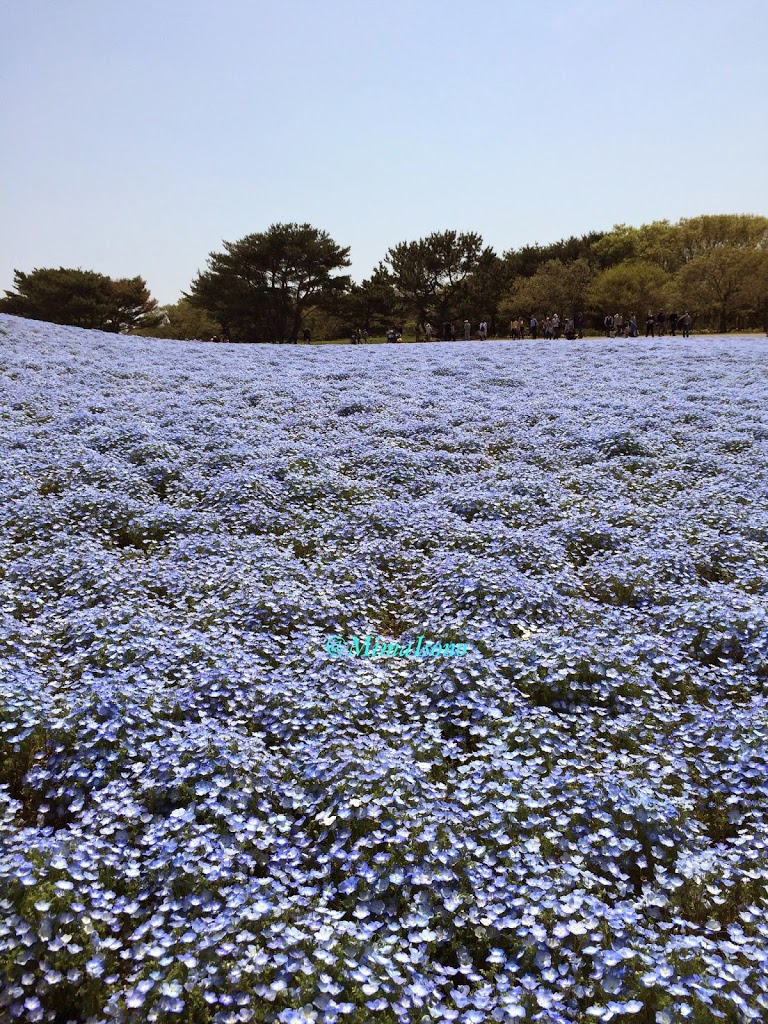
206	819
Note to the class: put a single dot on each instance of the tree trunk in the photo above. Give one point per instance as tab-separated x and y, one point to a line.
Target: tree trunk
297	317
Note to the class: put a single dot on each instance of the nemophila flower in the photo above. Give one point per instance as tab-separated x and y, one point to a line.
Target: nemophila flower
201	813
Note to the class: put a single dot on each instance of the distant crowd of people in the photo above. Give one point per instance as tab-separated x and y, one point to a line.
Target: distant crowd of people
570	327
656	325
550	327
675	321
447	332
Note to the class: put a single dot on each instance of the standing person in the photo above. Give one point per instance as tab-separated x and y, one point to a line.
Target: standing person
452	329
307	336
534	325
649	323
365	334
482	330
660	319
686	322
633	331
579	325
467	330
673	324
548	327
428	331
608	324
618	324
556	326
513	329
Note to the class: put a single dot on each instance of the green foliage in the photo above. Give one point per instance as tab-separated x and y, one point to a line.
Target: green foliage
81	298
555	287
269	285
740	231
438	278
261	287
373	305
524	262
615	247
713	265
725	282
182	321
672	246
479	295
635	287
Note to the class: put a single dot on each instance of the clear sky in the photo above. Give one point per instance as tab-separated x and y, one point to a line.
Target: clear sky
136	136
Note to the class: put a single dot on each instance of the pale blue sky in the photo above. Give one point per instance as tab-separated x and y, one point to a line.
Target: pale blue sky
134	137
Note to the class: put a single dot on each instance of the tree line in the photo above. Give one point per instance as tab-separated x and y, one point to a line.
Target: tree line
273	284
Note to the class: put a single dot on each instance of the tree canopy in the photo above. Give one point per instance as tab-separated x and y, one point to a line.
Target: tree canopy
725	283
260	287
632	287
81	298
556	287
270	284
714	265
447	275
183	321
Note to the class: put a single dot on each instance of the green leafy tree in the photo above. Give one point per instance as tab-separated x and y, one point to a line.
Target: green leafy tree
615	247
524	262
629	287
479	295
81	298
182	321
261	287
725	283
718	231
428	275
373	305
756	289
660	243
555	287
671	246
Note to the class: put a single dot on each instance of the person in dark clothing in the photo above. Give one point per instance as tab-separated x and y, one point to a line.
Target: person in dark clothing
673	324
579	324
649	323
660	319
608	325
686	322
307	336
